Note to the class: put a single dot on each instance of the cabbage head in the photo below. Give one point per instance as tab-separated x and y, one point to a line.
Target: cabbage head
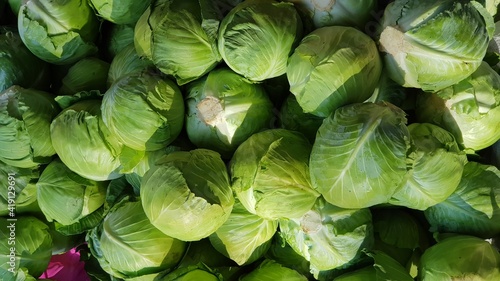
126	62
120	11
270	174
87	74
244	237
436	165
333	66
355	13
144	111
460	257
224	109
25	118
473	208
183	38
257	36
269	270
66	197
84	143
127	245
431	44
359	157
470	109
329	237
187	194
59	32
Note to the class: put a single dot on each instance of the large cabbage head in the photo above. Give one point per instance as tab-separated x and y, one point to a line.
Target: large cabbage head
470	109
270	174
359	157
257	36
333	66
25	118
59	32
187	195
144	111
432	44
84	143
224	109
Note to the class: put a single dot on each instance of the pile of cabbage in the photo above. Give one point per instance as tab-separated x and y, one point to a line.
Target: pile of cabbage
250	140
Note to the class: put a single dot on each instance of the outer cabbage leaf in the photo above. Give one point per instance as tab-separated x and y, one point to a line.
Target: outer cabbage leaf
270	174
224	109
460	258
19	186
427	44
359	157
436	165
25	118
474	206
333	66
18	66
242	234
329	237
187	195
33	245
257	36
84	143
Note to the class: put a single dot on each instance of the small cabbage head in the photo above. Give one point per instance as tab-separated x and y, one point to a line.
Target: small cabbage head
127	245
432	44
85	75
340	12
470	109
120	11
18	66
270	174
25	118
33	245
66	197
118	36
187	195
473	207
257	36
244	237
333	66
329	237
144	111
435	164
59	32
224	109
84	143
269	270
126	62
183	38
460	257
359	157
